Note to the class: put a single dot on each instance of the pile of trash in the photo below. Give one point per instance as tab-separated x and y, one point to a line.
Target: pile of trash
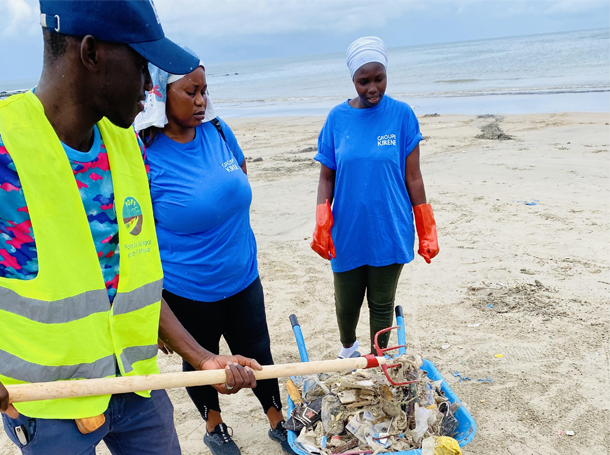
362	412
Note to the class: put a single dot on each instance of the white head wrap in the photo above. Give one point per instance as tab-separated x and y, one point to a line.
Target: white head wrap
154	107
366	50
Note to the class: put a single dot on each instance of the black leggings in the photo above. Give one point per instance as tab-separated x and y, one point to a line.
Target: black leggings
241	320
380	285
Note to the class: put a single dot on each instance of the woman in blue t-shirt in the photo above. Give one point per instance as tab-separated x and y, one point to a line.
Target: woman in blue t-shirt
369	155
201	202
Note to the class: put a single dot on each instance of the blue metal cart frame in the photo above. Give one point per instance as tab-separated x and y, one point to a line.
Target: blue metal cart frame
467	427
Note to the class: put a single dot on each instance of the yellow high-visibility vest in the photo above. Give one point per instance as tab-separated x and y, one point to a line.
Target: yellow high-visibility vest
60	325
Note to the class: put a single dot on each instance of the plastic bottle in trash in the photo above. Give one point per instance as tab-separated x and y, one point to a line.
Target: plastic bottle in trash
331	408
429	393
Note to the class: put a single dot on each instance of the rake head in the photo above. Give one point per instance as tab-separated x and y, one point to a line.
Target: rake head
381	353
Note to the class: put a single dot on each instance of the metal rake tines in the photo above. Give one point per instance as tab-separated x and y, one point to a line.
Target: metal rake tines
381	352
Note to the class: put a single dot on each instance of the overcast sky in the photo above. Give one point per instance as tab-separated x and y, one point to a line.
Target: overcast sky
233	30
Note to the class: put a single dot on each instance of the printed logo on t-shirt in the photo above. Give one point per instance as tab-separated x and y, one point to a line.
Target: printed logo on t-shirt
230	165
132	215
388	139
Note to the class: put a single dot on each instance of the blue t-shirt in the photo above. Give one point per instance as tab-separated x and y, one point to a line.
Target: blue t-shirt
201	202
373	217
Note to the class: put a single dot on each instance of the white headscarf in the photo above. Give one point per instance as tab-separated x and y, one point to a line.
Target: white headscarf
154	108
366	50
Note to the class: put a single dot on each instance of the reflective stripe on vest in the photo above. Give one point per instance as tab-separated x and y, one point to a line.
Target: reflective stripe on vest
60	325
24	371
134	354
78	306
126	302
64	310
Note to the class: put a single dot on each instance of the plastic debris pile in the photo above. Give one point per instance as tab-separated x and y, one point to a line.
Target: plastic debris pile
362	412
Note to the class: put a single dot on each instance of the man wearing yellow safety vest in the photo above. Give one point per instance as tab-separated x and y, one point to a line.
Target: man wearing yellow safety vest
80	274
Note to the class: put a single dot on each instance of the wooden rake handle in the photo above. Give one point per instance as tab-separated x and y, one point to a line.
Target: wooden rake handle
109	386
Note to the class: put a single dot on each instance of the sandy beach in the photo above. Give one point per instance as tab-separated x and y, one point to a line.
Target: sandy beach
530	282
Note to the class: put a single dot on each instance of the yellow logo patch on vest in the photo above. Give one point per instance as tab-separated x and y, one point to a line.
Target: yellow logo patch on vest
132	216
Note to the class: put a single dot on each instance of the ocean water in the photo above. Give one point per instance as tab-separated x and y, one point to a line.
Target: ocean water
538	73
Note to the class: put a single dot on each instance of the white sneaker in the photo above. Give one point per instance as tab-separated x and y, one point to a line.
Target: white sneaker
349	353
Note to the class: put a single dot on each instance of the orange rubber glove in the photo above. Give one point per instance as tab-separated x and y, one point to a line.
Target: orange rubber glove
426	231
322	242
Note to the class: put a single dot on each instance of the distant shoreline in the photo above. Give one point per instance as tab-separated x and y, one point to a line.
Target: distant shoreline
7	93
525	103
547	103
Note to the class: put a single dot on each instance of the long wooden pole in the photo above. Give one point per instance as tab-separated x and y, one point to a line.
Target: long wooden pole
108	386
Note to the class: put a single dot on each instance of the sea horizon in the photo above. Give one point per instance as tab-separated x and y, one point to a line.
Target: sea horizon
541	73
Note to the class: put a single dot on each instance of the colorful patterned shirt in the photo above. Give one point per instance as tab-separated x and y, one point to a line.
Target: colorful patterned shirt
18	256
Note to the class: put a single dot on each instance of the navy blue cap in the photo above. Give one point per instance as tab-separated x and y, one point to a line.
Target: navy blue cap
132	22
